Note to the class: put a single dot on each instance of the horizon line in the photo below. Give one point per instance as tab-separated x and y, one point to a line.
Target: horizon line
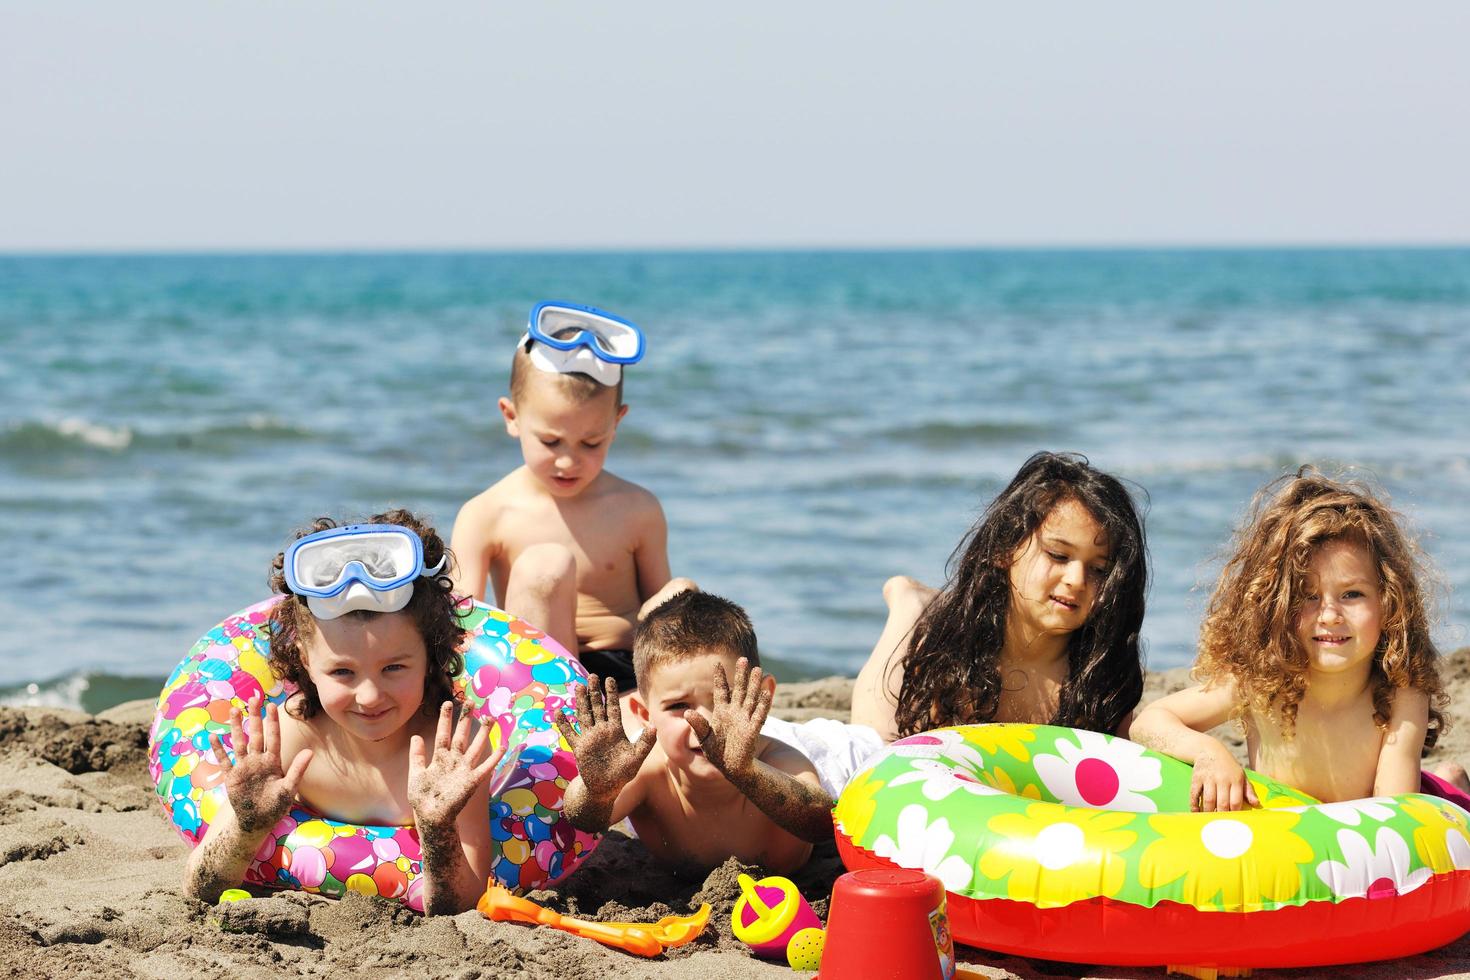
185	251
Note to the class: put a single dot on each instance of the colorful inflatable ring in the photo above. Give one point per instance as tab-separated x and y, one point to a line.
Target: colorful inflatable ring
515	680
1070	845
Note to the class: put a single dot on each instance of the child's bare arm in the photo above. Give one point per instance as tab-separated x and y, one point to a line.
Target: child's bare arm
1175	725
604	790
258	795
438	790
730	739
1403	743
474	546
651	556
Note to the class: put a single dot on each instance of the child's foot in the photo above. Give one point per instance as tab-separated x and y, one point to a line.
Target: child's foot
905	591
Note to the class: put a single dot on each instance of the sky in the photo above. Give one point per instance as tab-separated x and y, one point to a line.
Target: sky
358	124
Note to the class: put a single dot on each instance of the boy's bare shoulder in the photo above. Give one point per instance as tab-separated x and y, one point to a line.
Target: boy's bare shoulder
778	755
643	789
498	493
633	500
509	493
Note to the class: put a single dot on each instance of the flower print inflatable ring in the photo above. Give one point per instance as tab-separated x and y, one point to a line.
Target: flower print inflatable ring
515	680
1071	845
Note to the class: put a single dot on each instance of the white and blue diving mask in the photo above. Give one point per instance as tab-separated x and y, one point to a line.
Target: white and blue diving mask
592	342
361	566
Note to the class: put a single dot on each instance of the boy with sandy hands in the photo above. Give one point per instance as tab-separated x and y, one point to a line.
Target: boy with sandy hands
700	783
565	544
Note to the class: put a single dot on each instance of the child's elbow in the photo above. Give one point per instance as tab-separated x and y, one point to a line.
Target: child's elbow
788	857
1142	724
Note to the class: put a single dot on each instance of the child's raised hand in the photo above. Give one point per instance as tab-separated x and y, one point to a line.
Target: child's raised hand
260	791
439	788
1219	783
731	735
606	760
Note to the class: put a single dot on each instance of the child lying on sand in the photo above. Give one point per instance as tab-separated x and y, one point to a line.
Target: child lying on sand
702	783
366	738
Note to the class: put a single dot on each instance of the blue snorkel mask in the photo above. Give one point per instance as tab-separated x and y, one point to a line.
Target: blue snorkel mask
360	566
595	342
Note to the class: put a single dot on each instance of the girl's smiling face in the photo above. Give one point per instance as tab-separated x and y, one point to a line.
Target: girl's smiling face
368	671
1341	615
1057	571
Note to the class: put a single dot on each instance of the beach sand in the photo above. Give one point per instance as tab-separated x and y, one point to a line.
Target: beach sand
90	869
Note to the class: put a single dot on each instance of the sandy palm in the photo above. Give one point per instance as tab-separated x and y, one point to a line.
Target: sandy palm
439	788
606	760
731	735
260	790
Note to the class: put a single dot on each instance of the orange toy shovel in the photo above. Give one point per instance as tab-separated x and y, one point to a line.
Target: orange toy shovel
499	905
672	930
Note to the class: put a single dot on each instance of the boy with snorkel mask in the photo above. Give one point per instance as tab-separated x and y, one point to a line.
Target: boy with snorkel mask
366	632
566	545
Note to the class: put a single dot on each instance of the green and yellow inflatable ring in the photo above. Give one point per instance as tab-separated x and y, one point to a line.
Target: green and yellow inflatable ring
1071	845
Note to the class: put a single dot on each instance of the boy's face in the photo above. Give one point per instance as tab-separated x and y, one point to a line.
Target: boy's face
669	691
368	671
564	440
1341	617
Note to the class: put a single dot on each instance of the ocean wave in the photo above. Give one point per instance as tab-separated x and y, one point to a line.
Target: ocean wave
257	426
21	438
35	437
64	692
87	691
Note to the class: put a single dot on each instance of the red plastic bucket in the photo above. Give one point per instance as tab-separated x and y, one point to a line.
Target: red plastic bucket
888	925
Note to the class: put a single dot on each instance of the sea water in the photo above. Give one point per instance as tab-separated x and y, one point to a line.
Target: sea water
811	422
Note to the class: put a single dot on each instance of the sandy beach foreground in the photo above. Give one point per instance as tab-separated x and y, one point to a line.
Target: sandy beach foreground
89	884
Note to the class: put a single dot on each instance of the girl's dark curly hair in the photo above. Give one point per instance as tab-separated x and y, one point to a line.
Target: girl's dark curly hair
1249	632
951	675
432	608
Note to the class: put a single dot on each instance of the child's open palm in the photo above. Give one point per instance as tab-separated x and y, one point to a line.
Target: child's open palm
731	736
606	760
260	790
439	788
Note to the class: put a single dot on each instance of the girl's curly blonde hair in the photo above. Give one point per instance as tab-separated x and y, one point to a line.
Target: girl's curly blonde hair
1249	632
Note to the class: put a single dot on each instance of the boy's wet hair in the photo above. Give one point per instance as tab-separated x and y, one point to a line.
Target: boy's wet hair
951	675
581	386
432	608
1249	630
689	625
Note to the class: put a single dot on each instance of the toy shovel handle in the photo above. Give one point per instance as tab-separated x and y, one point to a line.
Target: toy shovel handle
631	939
500	905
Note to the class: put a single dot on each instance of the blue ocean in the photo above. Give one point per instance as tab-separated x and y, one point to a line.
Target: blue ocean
812	422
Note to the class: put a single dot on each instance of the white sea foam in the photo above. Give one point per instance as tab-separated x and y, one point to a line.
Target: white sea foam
96	435
64	692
